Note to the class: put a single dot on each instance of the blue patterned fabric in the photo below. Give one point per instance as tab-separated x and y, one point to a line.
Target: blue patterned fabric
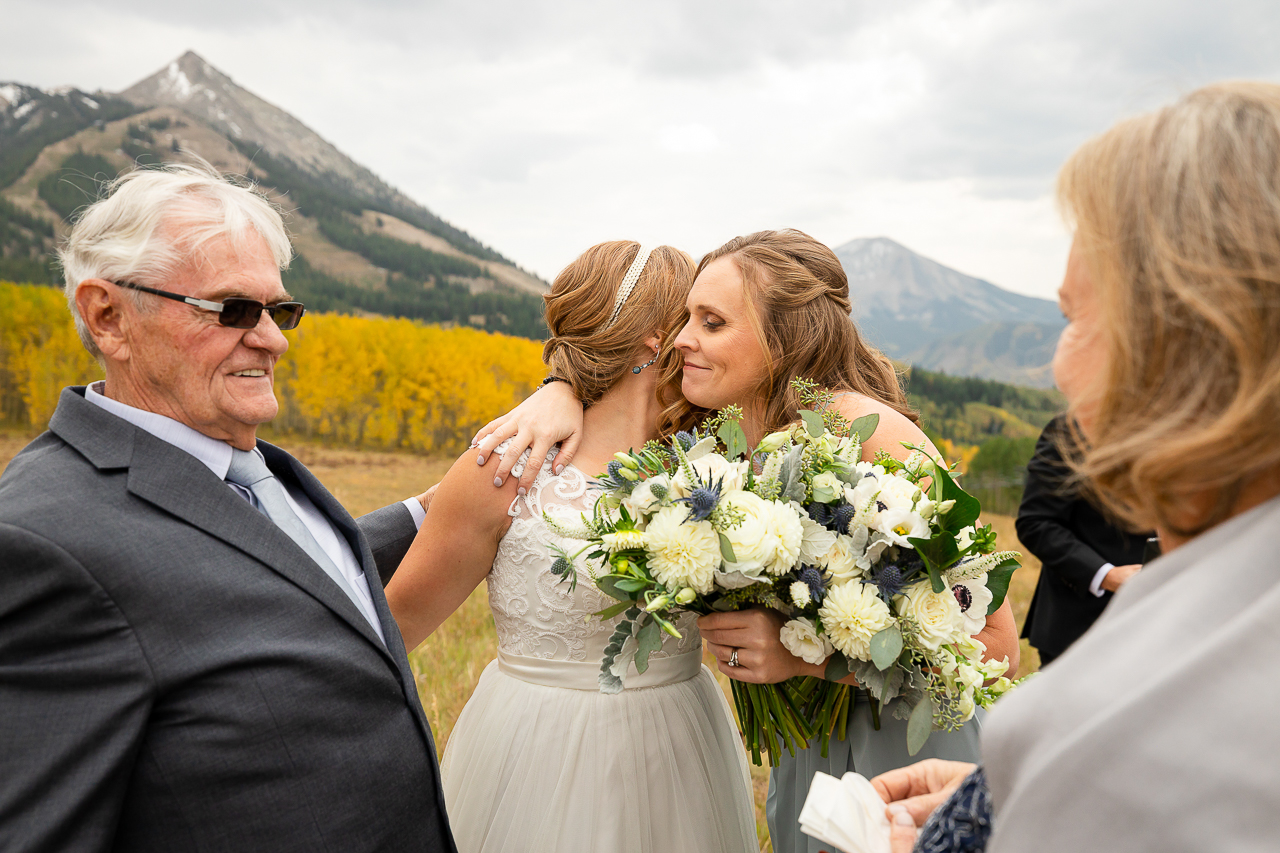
963	823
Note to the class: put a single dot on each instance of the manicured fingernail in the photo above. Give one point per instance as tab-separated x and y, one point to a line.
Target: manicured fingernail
497	481
520	491
480	459
901	816
559	470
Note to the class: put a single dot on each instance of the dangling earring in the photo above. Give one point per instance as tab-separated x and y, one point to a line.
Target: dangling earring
646	364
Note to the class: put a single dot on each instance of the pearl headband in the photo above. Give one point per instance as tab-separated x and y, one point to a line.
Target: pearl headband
628	283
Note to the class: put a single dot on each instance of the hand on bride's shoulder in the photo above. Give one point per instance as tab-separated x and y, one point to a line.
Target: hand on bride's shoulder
551	415
894	427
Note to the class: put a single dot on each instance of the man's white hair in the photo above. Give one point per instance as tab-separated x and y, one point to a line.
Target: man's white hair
153	222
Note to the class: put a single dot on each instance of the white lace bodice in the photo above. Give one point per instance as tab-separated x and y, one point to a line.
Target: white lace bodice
535	612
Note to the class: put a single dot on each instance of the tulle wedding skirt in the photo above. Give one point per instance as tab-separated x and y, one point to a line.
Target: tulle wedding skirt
532	766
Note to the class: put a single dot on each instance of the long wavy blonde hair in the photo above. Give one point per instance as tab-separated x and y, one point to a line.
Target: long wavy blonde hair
593	360
1177	215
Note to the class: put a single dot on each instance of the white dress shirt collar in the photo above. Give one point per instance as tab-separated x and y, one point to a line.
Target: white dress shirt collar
215	454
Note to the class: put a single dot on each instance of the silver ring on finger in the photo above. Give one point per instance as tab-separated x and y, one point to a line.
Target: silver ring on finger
733	659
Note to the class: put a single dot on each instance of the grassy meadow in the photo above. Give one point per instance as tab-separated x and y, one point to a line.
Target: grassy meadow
449	663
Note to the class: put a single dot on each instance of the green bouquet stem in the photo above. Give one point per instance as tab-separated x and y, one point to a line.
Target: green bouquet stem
790	714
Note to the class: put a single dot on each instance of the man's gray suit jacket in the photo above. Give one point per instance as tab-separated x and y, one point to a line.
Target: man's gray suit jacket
177	675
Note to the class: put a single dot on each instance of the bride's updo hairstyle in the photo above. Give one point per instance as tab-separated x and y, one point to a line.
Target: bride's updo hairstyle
797	298
1177	217
593	354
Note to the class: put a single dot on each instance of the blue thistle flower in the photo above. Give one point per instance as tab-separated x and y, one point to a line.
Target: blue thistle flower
843	514
613	468
820	513
812	578
703	499
686	439
889	580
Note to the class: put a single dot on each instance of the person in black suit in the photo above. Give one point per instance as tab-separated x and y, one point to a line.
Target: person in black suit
1084	557
195	650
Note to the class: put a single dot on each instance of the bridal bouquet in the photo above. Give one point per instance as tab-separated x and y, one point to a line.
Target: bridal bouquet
877	566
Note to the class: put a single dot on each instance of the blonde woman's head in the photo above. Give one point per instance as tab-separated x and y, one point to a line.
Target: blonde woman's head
1175	275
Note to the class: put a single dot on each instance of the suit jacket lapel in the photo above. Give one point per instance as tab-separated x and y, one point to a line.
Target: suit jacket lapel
289	468
286	466
178	483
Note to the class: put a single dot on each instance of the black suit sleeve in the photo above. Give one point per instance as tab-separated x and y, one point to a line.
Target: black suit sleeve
389	532
75	695
1043	518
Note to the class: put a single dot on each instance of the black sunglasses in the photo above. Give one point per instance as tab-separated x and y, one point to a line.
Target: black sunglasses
235	311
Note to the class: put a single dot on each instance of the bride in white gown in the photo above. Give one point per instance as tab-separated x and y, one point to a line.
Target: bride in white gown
539	759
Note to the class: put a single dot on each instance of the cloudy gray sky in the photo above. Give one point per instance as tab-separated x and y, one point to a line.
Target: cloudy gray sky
543	127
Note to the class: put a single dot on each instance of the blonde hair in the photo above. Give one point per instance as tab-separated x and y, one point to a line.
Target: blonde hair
150	222
594	359
797	297
1177	216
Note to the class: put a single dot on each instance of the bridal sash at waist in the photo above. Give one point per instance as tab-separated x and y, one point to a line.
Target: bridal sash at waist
585	675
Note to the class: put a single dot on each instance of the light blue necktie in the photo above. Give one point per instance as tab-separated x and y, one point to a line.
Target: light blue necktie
249	470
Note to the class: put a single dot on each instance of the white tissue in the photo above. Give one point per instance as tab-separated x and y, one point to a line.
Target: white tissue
846	813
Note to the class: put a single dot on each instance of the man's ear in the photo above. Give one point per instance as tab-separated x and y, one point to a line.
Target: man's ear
99	304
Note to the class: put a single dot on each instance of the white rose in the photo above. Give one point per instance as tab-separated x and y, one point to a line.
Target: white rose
841	560
852	614
711	467
642	500
801	638
682	553
816	540
768	538
936	615
827	487
900	524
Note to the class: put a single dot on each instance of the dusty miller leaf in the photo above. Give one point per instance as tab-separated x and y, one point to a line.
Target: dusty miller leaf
648	640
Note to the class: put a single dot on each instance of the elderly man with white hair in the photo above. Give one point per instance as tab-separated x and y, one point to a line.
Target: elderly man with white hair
195	651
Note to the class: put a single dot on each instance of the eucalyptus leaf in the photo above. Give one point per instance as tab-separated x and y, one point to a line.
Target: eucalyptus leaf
886	646
630	584
837	667
813	423
735	440
920	725
726	550
865	427
648	640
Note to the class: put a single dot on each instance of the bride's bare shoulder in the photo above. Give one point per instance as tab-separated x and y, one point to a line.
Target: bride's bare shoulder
893	430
